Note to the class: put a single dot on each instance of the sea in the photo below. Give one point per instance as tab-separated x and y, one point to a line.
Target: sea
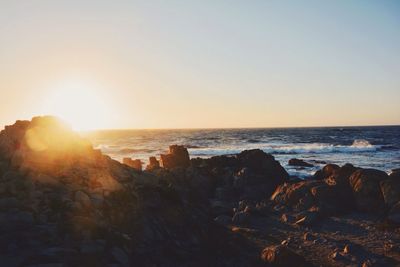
368	147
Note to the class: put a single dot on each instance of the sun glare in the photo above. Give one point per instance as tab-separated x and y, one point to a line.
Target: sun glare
82	105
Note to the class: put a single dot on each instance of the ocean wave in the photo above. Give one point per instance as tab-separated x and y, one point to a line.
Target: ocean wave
358	145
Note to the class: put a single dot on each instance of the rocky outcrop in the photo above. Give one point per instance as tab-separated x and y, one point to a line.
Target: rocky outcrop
153	164
133	163
365	184
178	156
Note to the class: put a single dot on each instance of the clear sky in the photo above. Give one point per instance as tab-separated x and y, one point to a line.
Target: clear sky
185	64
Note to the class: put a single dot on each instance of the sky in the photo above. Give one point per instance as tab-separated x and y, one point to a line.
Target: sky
201	64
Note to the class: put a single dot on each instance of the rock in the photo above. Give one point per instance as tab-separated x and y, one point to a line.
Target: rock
299	162
394	214
120	256
153	164
391	191
221	207
224	193
326	171
282	256
133	163
9	203
92	247
15	219
241	217
223	220
307	218
287	218
178	156
347	249
395	174
295	195
83	199
365	184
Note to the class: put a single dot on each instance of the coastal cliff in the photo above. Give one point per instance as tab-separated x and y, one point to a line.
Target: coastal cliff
64	203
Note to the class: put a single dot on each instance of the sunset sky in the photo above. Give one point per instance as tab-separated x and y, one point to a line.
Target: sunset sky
194	64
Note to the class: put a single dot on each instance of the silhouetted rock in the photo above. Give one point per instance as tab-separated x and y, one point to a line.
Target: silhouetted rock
178	156
299	162
391	191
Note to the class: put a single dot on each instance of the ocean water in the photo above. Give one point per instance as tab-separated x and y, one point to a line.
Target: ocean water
368	147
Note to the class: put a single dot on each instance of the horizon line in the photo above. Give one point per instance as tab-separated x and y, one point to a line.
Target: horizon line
243	128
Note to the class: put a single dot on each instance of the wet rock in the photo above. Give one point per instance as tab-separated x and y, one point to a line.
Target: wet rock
299	162
282	256
178	156
133	163
395	174
287	218
365	184
15	219
9	203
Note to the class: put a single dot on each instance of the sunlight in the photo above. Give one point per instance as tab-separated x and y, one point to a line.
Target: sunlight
82	105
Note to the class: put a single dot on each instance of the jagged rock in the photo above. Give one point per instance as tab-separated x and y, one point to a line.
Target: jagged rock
282	256
299	162
178	156
153	164
133	163
366	189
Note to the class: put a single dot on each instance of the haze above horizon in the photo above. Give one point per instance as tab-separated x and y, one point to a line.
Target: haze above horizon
207	64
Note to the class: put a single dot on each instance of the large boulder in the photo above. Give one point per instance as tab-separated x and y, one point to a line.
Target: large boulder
178	156
365	184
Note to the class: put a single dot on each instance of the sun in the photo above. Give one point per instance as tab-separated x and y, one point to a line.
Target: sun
83	105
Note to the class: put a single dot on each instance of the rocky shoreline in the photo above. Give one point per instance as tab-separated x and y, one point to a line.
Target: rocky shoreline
63	203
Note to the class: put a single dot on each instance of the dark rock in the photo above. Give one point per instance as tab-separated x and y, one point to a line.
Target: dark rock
395	174
223	220
153	164
365	184
391	191
178	156
241	217
133	163
299	162
326	171
282	256
394	214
